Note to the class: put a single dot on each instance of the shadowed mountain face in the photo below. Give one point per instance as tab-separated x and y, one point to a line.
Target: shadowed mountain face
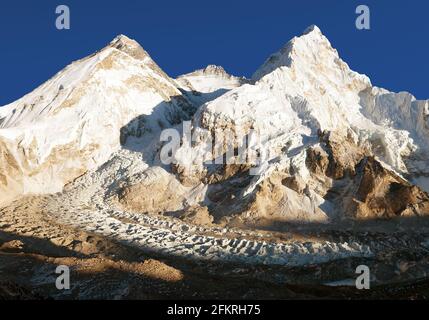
337	155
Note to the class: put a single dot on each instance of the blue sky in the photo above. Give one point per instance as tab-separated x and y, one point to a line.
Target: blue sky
239	35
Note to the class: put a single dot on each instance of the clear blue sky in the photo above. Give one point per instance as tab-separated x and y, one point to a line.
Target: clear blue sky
238	34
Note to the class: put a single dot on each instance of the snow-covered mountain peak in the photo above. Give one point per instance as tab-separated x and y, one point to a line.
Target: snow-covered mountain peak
308	107
123	39
130	47
76	120
309	56
209	83
214	69
209	71
306	89
311	29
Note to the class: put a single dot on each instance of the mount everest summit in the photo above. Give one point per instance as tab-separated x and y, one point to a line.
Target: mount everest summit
339	147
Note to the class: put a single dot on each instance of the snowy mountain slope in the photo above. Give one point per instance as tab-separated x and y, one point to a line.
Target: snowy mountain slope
306	98
72	123
330	96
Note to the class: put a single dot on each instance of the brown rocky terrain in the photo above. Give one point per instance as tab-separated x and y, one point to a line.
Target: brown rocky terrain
32	245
